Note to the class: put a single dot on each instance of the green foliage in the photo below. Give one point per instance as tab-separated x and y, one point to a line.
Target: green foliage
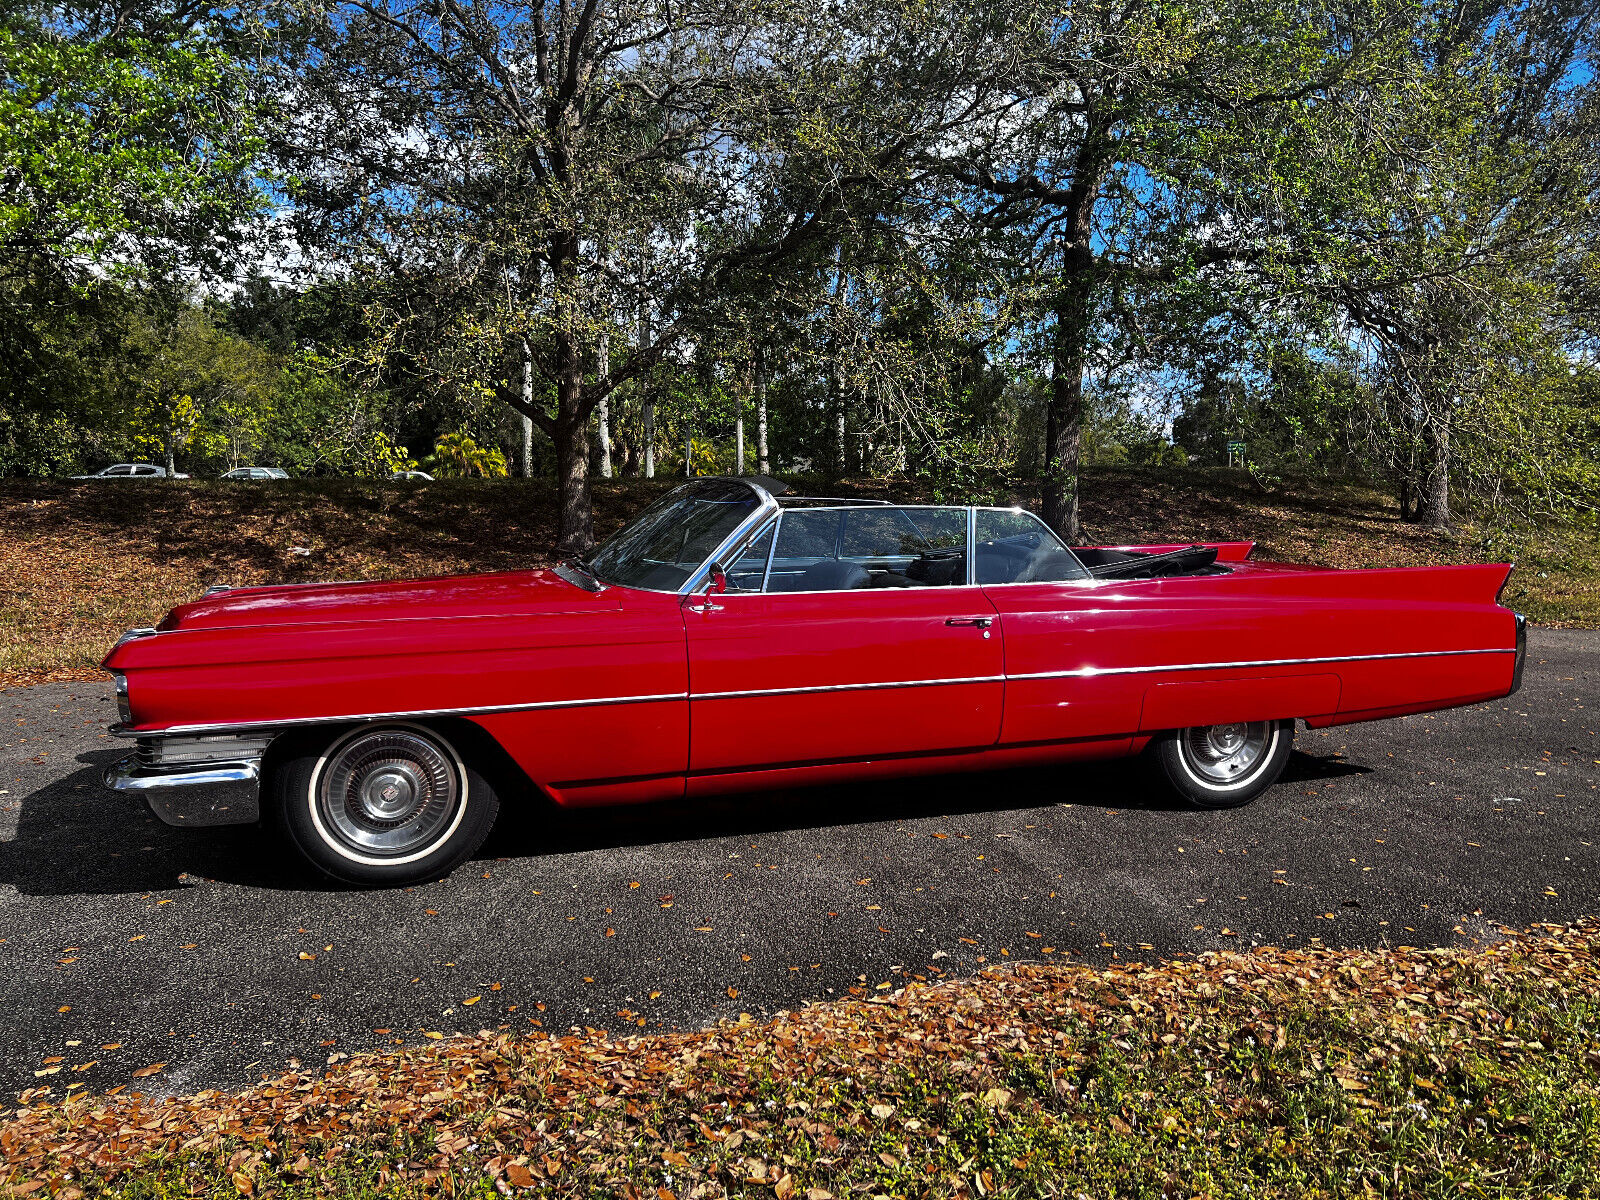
457	456
126	150
196	388
1359	240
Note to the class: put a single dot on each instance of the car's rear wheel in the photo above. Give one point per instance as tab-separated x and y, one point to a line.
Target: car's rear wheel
384	805
1224	766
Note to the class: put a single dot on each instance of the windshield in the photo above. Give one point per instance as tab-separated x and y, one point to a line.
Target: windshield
671	538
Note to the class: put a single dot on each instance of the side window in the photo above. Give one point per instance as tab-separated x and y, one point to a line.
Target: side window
1016	547
747	571
807	538
119	470
147	470
909	547
869	547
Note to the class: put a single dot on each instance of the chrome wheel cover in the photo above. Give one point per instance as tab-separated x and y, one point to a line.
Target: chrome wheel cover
1227	755
387	794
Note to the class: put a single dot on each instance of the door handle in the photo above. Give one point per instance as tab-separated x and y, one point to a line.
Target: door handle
975	622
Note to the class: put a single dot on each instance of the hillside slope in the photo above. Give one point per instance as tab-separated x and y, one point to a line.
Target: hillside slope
83	561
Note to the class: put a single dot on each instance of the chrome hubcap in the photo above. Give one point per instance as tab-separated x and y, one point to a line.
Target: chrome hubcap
1226	753
388	793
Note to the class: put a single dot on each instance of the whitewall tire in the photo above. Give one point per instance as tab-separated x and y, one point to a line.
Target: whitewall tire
383	804
1224	766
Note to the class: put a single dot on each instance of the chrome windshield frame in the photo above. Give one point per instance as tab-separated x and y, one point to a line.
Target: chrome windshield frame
766	506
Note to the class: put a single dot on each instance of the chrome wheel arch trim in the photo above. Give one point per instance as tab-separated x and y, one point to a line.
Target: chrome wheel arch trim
663	697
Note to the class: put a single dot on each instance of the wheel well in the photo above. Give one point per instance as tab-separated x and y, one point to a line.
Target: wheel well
477	748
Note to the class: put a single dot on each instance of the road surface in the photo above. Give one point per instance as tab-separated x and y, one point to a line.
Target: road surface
124	943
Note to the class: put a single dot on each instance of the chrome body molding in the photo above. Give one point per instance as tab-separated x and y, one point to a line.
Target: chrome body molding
1522	654
1085	672
197	733
193	794
848	687
406	715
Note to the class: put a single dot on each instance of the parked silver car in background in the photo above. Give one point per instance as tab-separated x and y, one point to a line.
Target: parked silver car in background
256	473
133	471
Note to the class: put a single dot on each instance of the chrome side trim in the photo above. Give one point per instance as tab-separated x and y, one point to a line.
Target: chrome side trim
1522	654
848	687
1085	672
600	701
405	715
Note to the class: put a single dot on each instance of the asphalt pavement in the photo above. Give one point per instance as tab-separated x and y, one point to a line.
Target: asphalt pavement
124	944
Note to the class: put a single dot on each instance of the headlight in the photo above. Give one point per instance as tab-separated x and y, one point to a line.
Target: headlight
123	709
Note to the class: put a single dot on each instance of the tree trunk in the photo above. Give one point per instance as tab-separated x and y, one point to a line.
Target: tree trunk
738	443
1433	504
571	431
526	465
761	414
649	397
576	526
1064	414
835	391
172	451
602	370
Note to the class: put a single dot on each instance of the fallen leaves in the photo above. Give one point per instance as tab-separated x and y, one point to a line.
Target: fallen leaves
860	1096
152	1069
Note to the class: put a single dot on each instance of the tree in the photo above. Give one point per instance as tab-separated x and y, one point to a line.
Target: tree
1453	272
536	172
1147	147
193	378
127	135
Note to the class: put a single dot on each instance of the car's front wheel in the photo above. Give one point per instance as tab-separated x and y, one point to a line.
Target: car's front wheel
384	805
1224	766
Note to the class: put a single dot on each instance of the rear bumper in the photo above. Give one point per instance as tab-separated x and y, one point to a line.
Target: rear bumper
1522	654
193	794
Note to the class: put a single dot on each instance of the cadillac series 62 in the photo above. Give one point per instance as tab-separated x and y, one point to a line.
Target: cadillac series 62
737	638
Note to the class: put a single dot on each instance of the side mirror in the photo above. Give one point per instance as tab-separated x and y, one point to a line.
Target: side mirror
716	580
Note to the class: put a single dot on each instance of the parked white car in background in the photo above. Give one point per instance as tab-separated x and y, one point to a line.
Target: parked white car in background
133	471
256	473
415	476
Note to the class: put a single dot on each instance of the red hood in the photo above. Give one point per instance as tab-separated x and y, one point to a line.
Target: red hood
504	593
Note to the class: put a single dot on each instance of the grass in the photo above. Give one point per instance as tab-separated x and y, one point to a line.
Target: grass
80	562
1307	1073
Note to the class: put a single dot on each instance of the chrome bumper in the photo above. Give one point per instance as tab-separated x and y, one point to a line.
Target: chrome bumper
193	794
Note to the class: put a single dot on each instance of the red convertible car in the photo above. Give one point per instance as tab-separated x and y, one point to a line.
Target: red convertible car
734	637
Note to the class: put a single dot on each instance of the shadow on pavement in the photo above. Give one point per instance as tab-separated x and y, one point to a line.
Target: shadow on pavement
75	837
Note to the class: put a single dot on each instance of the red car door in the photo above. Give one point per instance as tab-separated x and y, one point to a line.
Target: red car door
868	643
1058	627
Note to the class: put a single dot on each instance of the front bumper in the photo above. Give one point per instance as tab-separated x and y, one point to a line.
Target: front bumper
208	791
